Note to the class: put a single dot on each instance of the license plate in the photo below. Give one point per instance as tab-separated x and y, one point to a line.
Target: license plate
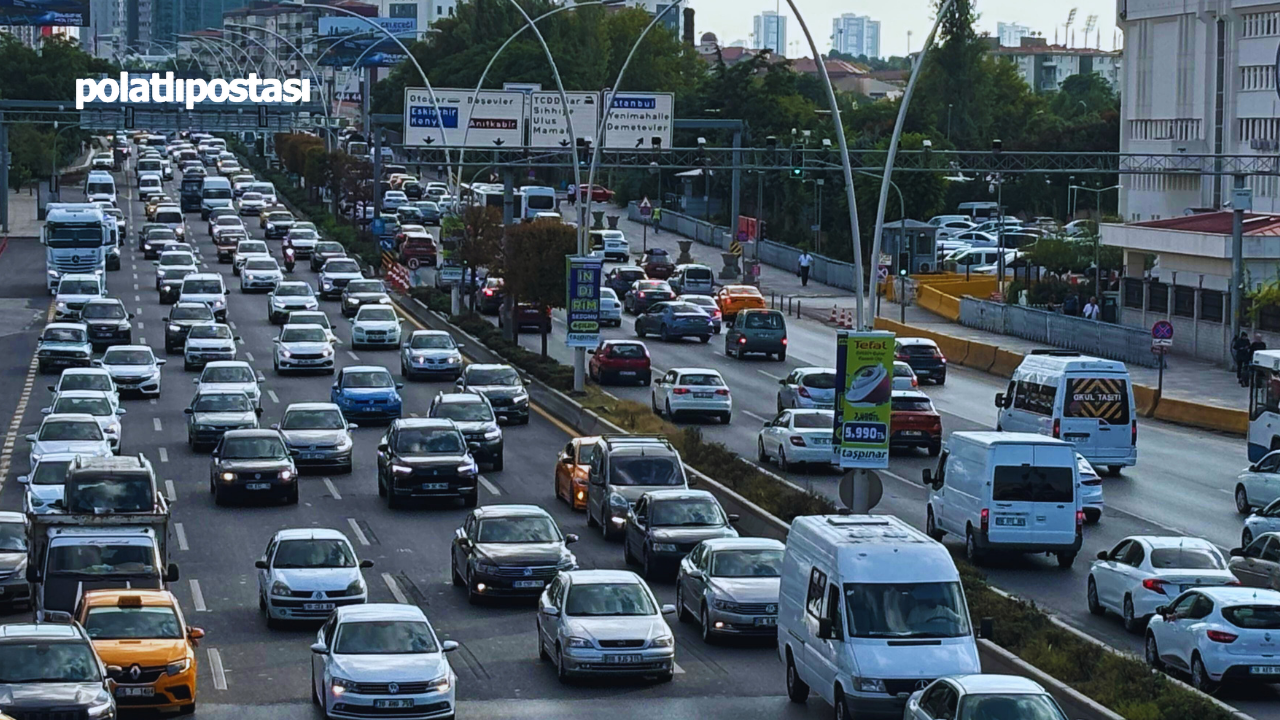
767	622
406	703
703	396
627	372
1011	521
912	433
1076	436
821	441
435	486
135	692
527	584
258	486
318	606
623	659
310	456
1264	669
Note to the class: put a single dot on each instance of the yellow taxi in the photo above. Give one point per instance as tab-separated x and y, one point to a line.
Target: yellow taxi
147	646
733	299
571	471
155	202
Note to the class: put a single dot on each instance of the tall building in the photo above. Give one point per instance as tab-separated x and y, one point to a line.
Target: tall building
674	20
1045	66
1011	34
770	33
856	35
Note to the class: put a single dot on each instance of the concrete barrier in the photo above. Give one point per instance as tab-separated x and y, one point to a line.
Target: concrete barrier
1209	417
981	356
1145	398
1005	363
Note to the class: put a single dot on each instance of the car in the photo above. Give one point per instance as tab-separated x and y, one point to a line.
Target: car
583	614
183	316
250	203
620	279
277	224
674	321
375	326
154	201
312	317
240	184
302	237
134	368
206	289
14	589
1216	635
665	525
1258	563
150	185
501	385
306	573
246	249
529	316
349	663
708	305
426	459
417	246
1259	484
657	264
599	193
796	436
572	469
303	348
729	586
252	463
393	199
808	387
227	212
170	283
325	250
260	274
228	167
430	353
213	412
73	433
207	342
63	345
152	237
54	650
232	375
1091	490
74	290
474	417
755	330
170	215
508	551
366	391
645	293
95	403
982	696
490	296
914	422
925	358
267	190
288	297
318	436
620	361
226	242
44	483
1261	521
733	299
359	293
1143	572
904	378
88	378
610	308
226	224
701	391
104	161
335	274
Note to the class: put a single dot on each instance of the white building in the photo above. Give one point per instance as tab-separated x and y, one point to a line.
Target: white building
1046	66
1011	34
856	35
770	32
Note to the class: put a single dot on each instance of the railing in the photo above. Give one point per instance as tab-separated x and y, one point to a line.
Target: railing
1091	337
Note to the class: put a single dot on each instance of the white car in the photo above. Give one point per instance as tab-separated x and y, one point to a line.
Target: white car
289	297
312	317
1259	484
260	274
90	378
75	434
1217	634
1259	521
610	308
246	249
1143	572
797	436
692	390
45	483
383	655
230	376
393	199
175	260
982	696
224	224
904	378
91	402
1090	490
303	347
953	227
250	203
74	290
267	190
134	368
375	326
319	562
335	274
207	343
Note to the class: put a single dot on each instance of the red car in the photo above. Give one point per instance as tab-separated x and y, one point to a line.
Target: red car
620	361
417	249
599	193
657	264
914	423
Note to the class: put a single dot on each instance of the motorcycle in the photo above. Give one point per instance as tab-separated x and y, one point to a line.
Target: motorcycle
289	259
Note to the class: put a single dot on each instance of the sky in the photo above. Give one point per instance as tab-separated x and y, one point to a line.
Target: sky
730	20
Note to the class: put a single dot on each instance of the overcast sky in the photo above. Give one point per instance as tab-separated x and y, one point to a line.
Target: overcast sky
730	20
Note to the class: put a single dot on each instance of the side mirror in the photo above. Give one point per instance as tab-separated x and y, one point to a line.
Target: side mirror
171	575
1162	609
668	609
734	517
352	426
188	411
319	648
23	479
365	564
449	645
260	564
31	438
399	386
1102	554
570	539
52	388
596	480
195	381
382	447
46	411
1237	552
130	316
591	351
33	575
565	459
195	633
257	411
121	411
767	423
1000	400
160	361
824	629
275	426
550	610
926	476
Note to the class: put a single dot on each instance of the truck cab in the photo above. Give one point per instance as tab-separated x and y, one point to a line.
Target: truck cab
77	237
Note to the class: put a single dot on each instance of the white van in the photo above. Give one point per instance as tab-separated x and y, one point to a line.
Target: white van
100	185
215	192
1013	492
539	198
1084	400
869	611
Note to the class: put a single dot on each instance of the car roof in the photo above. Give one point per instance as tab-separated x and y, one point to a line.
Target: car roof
365	368
65	326
460	398
12	517
421	333
105	301
428	423
310	534
311	406
488	366
511	510
744	543
1236	595
692	370
989	684
291	283
909	395
129	347
85	371
148	598
594	577
53	631
227	363
379	611
1172	541
205	275
679	494
917	341
252	432
83	394
809	411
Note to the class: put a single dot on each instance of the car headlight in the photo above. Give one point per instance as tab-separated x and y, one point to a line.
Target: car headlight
285	353
869	685
278	302
103	709
35	456
112	429
384	301
62	305
341	685
467	470
577	642
401	469
352	301
520	397
326	352
440	684
326	283
725	605
82	354
311	304
177	668
279	587
486	568
663	641
219	303
665	547
493	434
286	475
356	587
569	563
228	476
455	358
174	328
345	443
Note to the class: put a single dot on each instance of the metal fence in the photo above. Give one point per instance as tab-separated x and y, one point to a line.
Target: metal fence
1092	337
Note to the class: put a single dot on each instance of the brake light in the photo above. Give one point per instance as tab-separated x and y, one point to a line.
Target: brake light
784	342
1220	636
1079	521
986	519
899	356
680	391
742	341
804	392
915	382
797	441
1133	433
1057	428
722	392
488	292
1155	585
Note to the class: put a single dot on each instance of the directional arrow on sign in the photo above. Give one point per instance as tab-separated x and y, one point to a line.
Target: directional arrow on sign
499	142
429	140
564	143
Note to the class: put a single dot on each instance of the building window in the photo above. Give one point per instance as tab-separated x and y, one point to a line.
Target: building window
1264	24
1257	77
404	10
1171	129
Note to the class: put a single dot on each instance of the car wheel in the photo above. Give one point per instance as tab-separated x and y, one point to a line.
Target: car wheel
761	455
783	465
591	521
726	417
453	571
561	674
1246	538
382	488
841	707
473	597
782	356
1066	560
1131	623
497	463
704	339
292	498
972	552
1200	678
1242	500
935	449
217	497
1151	653
1091	595
470	501
1114	470
682	613
627	557
797	689
931	526
646	567
187	366
670	415
704	620
663	334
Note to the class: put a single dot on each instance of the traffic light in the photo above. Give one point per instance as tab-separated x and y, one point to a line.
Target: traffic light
797	173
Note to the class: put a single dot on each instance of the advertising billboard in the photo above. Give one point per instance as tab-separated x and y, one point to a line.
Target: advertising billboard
582	306
864	366
493	118
366	51
56	13
335	26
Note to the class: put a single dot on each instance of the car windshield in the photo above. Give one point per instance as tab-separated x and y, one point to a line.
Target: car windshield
253	448
376	314
342	266
429	441
329	247
313	554
906	610
464	411
223	402
819	381
1024	483
70	430
191	312
384	637
261	265
49	662
85	381
78	287
912	404
365	286
251	197
1187	558
431	342
158	235
627	351
130	623
318	319
518	530
210	332
249	248
367	379
809	421
127	357
202	287
607	600
104	311
86	405
306	333
298	233
101	559
63	335
279	217
312	420
169	216
651	285
235	374
49	472
746	563
700	380
1023	706
299	290
645	470
680	308
493	376
686	513
764	321
228	220
13	536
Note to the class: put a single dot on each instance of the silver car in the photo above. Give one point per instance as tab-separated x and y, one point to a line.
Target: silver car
809	388
174	260
317	564
318	436
45	483
206	343
91	402
730	587
335	275
605	622
430	353
213	412
289	297
303	348
77	434
234	375
260	274
134	368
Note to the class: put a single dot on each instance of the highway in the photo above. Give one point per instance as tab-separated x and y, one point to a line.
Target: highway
248	671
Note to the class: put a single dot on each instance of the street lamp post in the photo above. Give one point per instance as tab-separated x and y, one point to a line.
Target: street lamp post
1097	240
210	49
266	53
54	185
319	81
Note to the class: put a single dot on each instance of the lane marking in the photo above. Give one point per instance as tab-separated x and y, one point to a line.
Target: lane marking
333	490
215	665
141	325
675	668
761	418
355	528
395	589
248	356
197	597
164	455
353	356
156	423
182	536
15	425
232	324
142	341
137	298
272	394
170	491
493	489
769	374
135	286
414	414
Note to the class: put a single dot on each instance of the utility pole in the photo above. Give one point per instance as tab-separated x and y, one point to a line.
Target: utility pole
735	185
4	175
508	219
1240	202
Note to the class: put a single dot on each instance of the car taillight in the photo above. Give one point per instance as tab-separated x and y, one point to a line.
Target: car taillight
1155	585
680	391
1220	636
784	342
986	519
488	292
722	392
900	357
797	441
915	382
1133	433
1057	427
715	313
804	392
1079	521
643	294
742	340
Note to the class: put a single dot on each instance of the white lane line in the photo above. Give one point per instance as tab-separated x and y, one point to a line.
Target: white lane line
675	668
272	394
197	597
11	438
493	489
232	324
137	298
135	276
355	528
182	536
332	490
164	455
1224	490
135	286
140	325
248	356
414	414
395	589
353	356
156	423
153	401
897	477
761	418
769	374
215	664
170	491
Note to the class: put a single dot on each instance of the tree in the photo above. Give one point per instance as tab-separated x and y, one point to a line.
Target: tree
478	240
955	80
534	264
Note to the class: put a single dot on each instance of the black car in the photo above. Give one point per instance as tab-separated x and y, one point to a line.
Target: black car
620	279
108	322
171	283
509	551
14	589
363	292
253	464
422	458
182	316
924	356
474	417
67	680
665	525
646	293
501	385
323	251
213	412
490	296
155	237
148	227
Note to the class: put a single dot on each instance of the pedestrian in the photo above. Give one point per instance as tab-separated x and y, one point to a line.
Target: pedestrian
1257	345
1071	304
1240	354
657	221
1091	310
805	260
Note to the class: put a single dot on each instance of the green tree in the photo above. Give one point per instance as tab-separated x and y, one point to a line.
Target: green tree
478	238
534	264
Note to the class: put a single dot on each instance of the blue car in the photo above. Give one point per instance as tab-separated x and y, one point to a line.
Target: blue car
366	392
674	320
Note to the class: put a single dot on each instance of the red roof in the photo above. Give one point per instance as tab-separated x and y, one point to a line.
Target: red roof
835	68
1217	223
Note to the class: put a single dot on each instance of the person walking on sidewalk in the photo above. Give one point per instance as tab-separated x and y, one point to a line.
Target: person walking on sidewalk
1240	353
1071	305
805	260
657	221
1091	310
